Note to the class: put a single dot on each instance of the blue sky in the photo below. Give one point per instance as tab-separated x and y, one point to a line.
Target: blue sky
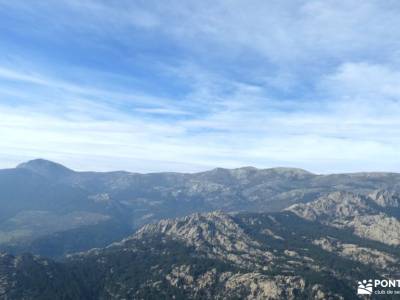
191	85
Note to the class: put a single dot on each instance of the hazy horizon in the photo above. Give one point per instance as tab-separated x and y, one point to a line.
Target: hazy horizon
186	172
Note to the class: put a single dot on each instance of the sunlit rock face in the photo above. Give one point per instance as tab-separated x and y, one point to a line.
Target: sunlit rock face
367	216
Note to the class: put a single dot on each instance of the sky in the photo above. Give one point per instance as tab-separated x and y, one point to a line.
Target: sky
149	86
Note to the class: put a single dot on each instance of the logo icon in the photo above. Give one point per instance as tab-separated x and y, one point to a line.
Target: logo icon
365	287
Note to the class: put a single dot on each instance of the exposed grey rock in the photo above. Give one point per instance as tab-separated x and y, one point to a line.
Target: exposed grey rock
383	261
386	198
356	212
215	234
213	256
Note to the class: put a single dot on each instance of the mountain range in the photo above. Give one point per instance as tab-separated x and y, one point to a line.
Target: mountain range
51	210
244	233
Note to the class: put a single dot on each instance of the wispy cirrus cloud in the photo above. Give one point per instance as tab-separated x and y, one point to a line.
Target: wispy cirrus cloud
152	86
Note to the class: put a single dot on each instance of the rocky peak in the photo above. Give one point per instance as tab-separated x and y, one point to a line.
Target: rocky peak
216	229
386	198
332	205
215	234
356	212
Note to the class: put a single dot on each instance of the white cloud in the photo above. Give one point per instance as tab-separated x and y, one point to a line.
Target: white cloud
312	84
241	128
365	80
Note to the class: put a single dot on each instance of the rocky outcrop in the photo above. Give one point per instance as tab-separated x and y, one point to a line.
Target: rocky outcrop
303	253
363	215
381	260
385	198
215	234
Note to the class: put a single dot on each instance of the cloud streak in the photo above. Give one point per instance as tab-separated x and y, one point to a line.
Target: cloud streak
146	86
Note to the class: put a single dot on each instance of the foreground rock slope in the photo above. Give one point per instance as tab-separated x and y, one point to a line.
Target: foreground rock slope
295	254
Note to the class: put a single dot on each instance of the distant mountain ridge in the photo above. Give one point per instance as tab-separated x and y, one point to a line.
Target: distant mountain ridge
44	202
